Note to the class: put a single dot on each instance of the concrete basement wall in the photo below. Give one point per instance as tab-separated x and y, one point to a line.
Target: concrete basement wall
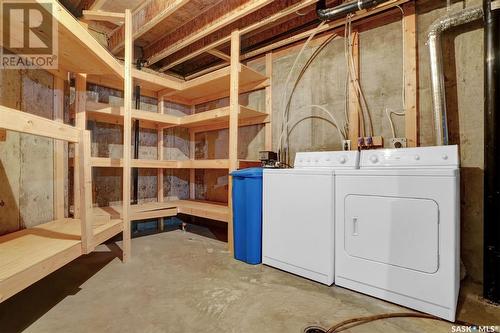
26	173
26	182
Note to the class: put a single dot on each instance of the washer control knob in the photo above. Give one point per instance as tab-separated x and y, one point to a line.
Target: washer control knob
374	158
417	157
444	157
342	160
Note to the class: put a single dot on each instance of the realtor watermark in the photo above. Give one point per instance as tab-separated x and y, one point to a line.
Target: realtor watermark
29	37
475	329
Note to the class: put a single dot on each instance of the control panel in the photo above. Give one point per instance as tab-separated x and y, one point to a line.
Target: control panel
444	156
327	159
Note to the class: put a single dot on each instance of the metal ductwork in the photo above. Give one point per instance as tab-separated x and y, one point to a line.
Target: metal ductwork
341	11
436	59
491	283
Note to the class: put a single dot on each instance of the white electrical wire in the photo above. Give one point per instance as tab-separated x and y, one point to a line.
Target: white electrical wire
403	97
285	88
388	114
342	135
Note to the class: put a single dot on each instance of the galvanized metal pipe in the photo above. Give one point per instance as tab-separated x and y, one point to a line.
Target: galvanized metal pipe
436	61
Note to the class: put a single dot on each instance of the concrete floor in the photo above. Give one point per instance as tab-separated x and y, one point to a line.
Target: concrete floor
184	282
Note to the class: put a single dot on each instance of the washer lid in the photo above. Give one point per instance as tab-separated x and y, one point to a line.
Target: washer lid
427	157
327	159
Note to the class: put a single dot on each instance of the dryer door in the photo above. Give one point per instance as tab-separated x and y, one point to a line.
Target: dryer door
396	231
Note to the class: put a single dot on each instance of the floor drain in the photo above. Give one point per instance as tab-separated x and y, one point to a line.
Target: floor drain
314	329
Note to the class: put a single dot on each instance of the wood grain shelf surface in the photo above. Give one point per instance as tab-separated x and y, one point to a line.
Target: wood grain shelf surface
150	210
147	119
104	162
28	255
215	85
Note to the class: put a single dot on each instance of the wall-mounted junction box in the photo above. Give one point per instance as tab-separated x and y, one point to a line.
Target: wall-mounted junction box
398	143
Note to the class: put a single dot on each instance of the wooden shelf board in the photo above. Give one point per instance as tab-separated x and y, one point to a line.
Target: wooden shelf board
155	164
219	117
78	50
104	162
157	82
114	115
30	254
205	209
215	85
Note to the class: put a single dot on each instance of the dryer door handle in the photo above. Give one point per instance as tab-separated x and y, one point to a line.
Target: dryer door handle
355	226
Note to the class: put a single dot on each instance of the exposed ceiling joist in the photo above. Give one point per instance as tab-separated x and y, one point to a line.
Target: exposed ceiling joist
97	15
221	15
261	18
97	4
145	17
220	55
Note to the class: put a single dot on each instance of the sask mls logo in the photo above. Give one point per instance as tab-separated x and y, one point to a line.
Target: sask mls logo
29	34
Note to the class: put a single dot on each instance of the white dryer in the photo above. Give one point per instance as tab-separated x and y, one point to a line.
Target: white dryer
298	214
398	227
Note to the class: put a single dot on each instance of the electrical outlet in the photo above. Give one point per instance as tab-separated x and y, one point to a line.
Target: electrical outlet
346	144
398	142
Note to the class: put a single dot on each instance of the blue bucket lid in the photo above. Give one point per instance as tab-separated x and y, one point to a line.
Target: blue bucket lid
248	173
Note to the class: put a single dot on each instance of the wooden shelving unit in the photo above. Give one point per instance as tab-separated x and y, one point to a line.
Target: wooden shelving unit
28	255
229	81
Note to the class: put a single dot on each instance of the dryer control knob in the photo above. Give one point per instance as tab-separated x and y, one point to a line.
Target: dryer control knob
342	160
374	158
417	157
445	157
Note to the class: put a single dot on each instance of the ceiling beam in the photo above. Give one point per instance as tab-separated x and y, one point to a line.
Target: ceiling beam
145	17
265	16
220	55
97	15
97	4
221	15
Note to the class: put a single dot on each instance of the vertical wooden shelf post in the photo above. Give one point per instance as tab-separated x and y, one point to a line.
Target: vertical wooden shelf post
233	126
59	151
85	189
411	74
127	135
80	123
160	196
354	108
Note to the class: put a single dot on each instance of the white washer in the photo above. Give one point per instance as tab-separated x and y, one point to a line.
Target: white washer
398	226
298	214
